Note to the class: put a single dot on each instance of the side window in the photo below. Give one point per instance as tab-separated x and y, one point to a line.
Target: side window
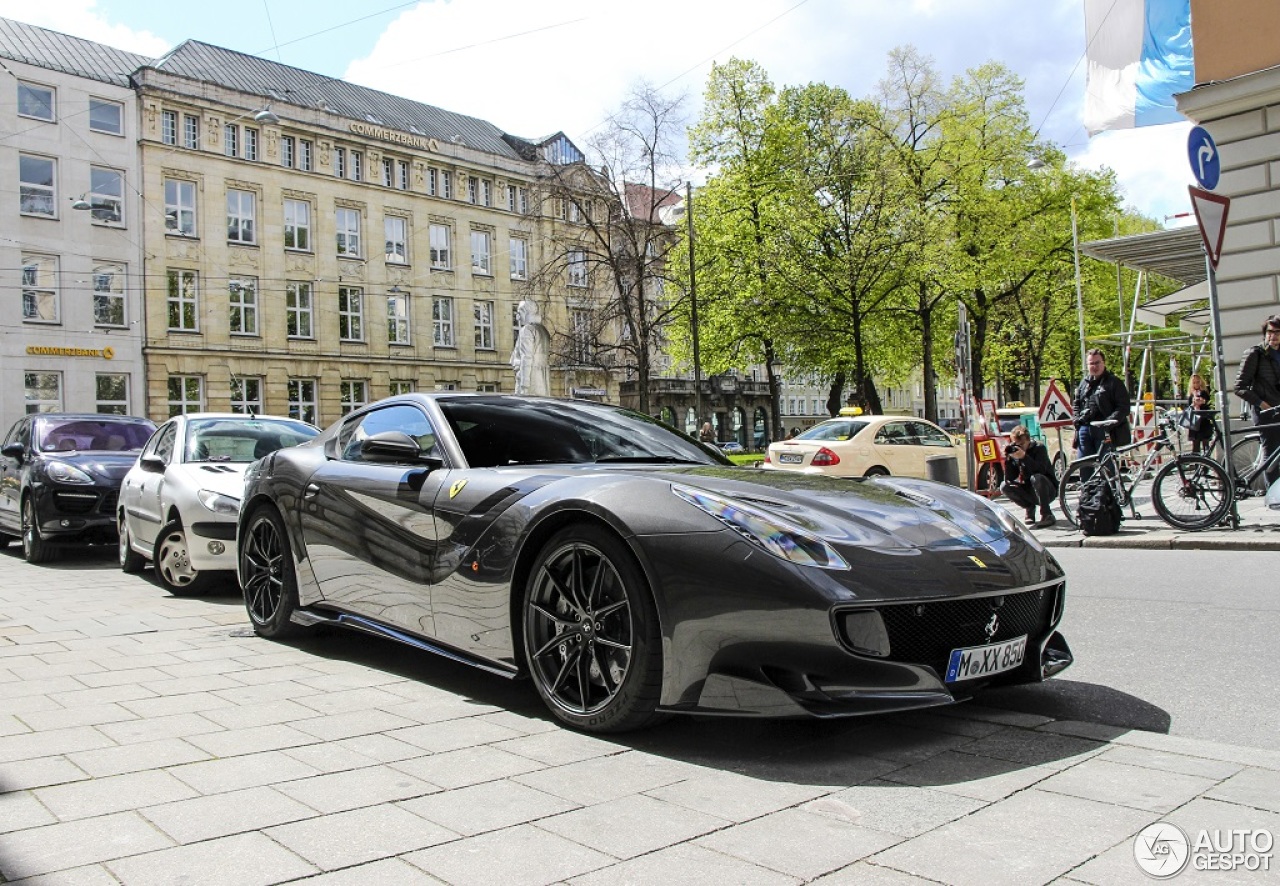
400	417
17	433
162	443
893	434
928	435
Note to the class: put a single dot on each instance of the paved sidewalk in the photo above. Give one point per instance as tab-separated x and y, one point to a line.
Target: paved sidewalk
147	739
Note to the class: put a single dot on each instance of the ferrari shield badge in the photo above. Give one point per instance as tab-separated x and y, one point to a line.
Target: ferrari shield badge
976	561
456	488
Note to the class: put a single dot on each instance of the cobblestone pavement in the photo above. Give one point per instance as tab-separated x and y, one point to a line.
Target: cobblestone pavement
147	739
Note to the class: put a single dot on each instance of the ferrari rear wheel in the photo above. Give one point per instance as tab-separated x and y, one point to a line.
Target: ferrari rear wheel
34	548
591	633
173	563
130	560
267	578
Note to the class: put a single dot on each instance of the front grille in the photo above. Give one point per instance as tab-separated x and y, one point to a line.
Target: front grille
108	503
925	633
75	502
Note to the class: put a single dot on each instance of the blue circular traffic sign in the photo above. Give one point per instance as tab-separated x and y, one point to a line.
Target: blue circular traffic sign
1203	154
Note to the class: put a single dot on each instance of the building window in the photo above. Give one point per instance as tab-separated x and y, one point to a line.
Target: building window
250	144
402	175
357	166
40	289
243	292
106	195
180	207
111	393
183	301
575	212
388	171
348	221
241	211
397	237
442	321
581	343
398	319
304	154
186	394
340	162
519	259
484	325
302	399
486	192
246	395
191	131
297	307
399	387
43	391
480	253
577	268
473	188
286	150
108	295
169	127
350	313
297	225
446	184
36	195
440	246
231	140
105	116
352	395
431	182
35	101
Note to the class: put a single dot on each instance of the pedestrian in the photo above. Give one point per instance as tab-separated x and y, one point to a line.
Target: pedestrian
1258	385
707	434
1099	396
1199	421
1028	477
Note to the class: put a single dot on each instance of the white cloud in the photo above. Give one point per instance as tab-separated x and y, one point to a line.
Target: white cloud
1151	165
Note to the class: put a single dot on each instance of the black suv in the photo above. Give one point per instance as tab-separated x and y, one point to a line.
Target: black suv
60	477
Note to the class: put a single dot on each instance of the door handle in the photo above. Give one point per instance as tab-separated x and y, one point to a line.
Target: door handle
311	491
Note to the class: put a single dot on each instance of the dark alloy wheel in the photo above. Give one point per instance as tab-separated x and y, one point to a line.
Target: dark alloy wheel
173	563
130	560
267	577
591	633
34	548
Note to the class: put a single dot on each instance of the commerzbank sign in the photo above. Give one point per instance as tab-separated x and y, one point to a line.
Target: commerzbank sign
48	351
409	140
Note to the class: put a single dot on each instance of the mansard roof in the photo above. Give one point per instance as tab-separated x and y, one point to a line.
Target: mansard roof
70	55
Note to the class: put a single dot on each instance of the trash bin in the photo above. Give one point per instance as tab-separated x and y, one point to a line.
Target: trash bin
943	469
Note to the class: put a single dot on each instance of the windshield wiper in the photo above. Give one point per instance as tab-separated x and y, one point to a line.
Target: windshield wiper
648	459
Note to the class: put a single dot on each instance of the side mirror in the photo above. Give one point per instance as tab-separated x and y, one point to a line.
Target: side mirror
152	463
396	447
14	450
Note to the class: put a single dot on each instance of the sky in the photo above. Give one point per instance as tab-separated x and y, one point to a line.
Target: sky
536	68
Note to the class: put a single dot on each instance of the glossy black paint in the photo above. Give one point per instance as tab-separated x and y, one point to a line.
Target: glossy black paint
103	447
437	552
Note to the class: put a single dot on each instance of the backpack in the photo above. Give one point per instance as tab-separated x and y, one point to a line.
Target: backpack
1098	512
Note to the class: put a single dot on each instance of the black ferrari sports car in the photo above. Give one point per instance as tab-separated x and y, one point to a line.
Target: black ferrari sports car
631	572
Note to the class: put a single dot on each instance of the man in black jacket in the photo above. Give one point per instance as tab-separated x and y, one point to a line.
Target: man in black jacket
1099	397
1028	477
1258	383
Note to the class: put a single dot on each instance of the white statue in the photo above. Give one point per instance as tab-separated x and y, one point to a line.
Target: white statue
530	357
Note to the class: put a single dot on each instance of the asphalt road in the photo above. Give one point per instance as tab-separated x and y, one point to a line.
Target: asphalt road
1183	642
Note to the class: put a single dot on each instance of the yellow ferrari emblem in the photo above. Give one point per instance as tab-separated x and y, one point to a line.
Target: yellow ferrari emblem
456	488
978	562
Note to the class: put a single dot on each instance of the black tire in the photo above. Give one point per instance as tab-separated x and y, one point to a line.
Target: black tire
1069	487
1059	467
876	471
1244	455
1192	492
591	633
34	547
130	560
267	578
172	561
990	477
4	541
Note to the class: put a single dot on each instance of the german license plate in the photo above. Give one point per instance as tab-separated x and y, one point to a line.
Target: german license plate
791	458
983	661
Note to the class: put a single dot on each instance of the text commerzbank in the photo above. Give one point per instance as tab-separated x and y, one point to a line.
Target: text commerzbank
394	135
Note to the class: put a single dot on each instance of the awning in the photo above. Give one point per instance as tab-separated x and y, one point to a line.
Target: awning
1177	253
1187	308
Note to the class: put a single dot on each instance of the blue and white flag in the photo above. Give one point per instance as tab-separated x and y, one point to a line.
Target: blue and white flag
1139	55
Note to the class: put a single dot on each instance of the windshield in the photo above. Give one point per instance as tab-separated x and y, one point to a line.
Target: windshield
509	431
92	435
242	439
833	430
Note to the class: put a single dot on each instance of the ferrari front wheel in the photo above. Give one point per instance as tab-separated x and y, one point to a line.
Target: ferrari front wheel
267	578
591	633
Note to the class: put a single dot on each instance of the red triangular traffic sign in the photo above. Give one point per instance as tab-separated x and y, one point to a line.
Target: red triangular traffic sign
1055	408
1211	215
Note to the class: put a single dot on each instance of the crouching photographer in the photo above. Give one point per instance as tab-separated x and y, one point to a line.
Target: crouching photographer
1029	480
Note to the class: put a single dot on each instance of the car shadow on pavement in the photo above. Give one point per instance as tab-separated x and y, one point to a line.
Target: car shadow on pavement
72	557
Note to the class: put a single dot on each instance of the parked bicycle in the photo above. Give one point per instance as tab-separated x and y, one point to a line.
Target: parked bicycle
1194	491
1121	475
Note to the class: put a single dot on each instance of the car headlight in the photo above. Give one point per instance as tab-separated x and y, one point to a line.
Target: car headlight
780	538
219	503
1011	523
65	473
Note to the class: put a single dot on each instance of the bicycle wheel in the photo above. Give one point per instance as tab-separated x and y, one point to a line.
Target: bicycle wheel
1069	488
1244	455
1192	492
